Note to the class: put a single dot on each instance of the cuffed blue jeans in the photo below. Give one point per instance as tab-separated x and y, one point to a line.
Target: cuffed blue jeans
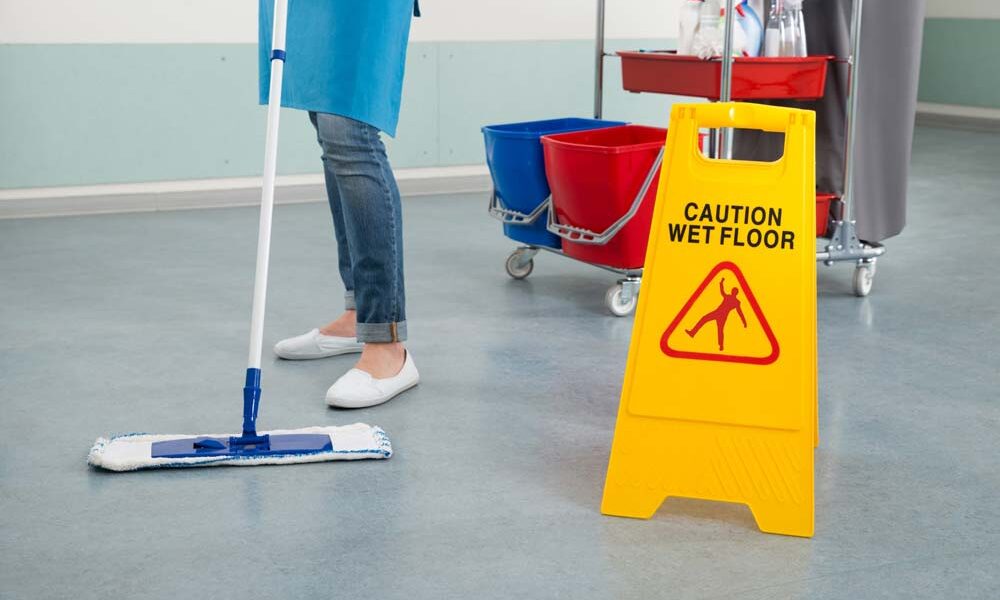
367	221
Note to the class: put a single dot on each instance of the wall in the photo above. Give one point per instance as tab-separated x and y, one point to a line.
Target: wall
113	91
117	91
235	21
959	66
963	9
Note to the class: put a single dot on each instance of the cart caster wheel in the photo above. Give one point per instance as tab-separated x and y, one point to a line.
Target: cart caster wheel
517	267
864	278
615	303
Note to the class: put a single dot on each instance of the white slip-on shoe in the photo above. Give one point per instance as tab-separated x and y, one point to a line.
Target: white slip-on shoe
358	389
316	345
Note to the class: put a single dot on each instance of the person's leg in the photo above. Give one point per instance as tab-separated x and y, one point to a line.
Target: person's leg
370	206
344	325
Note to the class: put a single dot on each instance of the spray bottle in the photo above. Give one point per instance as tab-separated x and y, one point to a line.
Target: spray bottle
753	28
690	16
708	40
774	31
795	18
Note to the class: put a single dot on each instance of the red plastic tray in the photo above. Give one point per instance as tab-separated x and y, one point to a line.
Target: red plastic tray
763	78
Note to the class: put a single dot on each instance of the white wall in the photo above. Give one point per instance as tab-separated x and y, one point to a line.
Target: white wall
474	20
235	21
964	9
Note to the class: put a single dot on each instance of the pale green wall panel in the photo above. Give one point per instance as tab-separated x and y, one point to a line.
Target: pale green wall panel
93	114
416	142
85	114
519	81
485	84
959	63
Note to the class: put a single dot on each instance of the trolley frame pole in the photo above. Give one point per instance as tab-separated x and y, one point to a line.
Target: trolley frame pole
599	63
851	114
844	243
724	145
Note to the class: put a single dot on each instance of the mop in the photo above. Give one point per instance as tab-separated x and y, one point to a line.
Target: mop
134	451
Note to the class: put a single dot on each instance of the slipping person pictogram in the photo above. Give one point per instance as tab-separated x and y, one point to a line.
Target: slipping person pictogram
729	303
756	346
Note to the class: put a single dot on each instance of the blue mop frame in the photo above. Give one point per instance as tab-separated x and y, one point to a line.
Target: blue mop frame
250	444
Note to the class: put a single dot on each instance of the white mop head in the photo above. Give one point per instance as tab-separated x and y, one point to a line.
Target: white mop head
131	452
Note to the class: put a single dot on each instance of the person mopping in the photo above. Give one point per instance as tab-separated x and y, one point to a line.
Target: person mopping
365	206
348	74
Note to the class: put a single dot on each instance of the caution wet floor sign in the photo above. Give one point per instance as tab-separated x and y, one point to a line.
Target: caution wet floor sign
719	397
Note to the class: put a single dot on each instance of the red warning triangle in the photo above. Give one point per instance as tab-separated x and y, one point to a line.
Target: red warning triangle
730	304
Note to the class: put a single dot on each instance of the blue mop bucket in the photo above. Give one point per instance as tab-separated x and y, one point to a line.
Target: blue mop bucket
517	166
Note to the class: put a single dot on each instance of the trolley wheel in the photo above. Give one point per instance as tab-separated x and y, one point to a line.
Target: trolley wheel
864	278
618	306
517	267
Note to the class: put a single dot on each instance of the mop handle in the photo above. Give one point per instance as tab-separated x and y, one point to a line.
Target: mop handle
267	190
251	389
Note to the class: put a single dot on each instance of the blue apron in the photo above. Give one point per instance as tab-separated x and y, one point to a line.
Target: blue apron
344	57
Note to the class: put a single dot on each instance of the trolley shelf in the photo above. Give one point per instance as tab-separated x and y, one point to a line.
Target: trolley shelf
753	78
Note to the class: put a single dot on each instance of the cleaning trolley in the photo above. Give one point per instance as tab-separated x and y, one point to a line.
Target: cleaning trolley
585	189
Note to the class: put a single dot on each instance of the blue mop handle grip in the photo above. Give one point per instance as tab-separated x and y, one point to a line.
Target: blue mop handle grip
251	401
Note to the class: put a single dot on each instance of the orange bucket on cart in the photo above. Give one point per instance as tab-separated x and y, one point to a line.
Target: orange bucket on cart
596	177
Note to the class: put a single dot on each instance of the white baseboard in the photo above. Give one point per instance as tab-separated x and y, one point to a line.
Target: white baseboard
962	117
955	110
216	193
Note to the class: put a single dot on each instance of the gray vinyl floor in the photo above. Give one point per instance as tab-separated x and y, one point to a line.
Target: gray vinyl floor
138	322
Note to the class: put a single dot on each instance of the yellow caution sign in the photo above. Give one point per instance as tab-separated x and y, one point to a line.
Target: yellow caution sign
719	398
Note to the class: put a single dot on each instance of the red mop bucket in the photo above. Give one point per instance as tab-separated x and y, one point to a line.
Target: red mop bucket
823	212
595	177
